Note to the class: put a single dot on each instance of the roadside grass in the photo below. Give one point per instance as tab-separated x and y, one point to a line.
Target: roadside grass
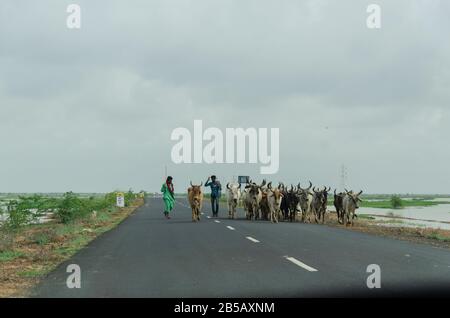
30	252
35	272
365	217
439	237
10	255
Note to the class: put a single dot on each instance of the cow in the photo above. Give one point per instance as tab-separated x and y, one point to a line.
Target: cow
284	202
253	198
293	203
195	196
274	197
338	197
319	204
233	196
350	203
264	204
305	198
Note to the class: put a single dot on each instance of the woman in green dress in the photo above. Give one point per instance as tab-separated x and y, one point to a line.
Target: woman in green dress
168	196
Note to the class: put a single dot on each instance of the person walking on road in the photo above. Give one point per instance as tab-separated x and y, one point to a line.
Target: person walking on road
216	189
168	196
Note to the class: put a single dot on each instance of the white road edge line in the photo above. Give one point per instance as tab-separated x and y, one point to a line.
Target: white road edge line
217	221
230	227
298	263
252	239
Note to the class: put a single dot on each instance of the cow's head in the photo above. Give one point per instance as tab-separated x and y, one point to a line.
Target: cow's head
306	191
254	190
234	191
196	193
276	193
325	192
354	198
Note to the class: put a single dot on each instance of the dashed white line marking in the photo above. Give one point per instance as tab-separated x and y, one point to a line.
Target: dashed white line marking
252	239
231	228
298	263
208	216
217	221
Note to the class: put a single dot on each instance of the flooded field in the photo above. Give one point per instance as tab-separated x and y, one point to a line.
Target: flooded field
437	216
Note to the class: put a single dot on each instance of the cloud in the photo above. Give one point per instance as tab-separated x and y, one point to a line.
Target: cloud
93	109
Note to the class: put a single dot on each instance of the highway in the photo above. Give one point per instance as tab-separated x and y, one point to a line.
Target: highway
149	256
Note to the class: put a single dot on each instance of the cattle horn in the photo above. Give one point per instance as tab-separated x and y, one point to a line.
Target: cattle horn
269	185
310	185
263	183
201	183
360	192
228	186
191	183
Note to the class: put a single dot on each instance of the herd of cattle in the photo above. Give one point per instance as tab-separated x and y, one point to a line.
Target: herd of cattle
281	203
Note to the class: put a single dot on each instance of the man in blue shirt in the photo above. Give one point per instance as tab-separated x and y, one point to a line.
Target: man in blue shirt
216	189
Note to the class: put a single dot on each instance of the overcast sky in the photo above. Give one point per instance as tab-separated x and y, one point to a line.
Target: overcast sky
92	110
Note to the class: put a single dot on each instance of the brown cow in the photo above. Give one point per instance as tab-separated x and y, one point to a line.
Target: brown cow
195	196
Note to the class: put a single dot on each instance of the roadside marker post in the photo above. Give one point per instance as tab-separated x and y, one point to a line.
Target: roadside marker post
120	200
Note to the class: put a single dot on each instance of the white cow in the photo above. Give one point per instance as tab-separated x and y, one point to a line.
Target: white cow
350	203
233	196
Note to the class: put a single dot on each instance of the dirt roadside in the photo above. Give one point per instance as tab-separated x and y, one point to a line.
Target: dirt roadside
38	249
435	237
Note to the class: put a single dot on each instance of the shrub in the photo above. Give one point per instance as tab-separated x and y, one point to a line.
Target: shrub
396	202
28	209
70	208
45	236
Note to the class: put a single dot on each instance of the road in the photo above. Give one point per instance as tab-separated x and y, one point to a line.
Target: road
149	256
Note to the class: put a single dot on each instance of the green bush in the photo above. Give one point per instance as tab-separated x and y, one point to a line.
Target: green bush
129	197
28	209
70	208
396	202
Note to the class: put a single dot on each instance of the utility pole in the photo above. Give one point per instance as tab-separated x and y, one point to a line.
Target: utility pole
343	177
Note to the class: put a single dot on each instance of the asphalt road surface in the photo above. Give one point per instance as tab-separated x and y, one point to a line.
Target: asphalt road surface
149	256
